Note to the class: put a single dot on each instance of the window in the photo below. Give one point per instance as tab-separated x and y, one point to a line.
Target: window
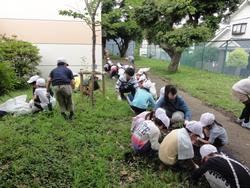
239	29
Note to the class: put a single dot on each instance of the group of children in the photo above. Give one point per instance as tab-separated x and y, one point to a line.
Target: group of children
168	118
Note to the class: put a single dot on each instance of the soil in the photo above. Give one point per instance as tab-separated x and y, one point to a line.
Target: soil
239	137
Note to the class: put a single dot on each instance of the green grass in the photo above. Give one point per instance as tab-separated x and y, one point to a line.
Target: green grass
44	150
212	88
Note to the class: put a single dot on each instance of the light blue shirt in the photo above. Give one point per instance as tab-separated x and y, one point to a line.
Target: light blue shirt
143	99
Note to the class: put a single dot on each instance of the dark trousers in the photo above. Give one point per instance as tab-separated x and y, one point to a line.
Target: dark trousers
127	89
137	110
246	112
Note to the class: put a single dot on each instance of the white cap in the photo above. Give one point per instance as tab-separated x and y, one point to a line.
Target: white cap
207	149
119	65
142	78
143	70
207	119
41	82
147	84
61	60
160	113
195	127
33	79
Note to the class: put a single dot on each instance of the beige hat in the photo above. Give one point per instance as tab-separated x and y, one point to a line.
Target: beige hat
207	149
207	119
160	113
195	127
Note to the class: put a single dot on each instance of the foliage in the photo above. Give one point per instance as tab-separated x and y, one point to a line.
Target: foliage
238	57
44	150
118	24
176	25
7	76
203	85
23	56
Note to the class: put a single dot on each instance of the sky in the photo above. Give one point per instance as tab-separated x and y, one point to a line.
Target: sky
37	9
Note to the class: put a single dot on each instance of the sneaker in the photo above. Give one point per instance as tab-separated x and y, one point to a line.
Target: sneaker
246	125
238	120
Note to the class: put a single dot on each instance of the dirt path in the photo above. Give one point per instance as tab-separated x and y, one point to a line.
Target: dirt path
239	138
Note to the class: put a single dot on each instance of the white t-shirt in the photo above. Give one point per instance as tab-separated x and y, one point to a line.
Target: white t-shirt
146	131
41	93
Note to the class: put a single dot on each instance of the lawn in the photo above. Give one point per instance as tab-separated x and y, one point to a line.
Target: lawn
212	88
44	150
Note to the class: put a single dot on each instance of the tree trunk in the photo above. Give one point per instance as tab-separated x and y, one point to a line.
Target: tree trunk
124	48
174	64
104	39
93	59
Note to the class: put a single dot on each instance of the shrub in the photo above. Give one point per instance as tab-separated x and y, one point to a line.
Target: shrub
7	76
238	57
23	56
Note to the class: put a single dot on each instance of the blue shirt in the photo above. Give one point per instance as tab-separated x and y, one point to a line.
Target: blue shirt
61	76
143	99
177	105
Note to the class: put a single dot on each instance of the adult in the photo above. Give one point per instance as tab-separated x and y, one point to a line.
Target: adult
220	170
175	106
240	91
176	149
62	82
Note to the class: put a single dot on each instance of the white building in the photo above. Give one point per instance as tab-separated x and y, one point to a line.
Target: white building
39	22
237	29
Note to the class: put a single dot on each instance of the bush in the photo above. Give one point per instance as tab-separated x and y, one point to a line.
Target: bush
238	57
7	75
23	56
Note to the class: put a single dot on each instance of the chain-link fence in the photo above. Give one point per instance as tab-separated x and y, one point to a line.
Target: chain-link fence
225	56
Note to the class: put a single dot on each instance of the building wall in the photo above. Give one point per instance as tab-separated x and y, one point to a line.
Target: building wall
56	36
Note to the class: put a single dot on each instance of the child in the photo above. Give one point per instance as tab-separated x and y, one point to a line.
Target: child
40	99
126	83
214	131
145	137
32	81
143	98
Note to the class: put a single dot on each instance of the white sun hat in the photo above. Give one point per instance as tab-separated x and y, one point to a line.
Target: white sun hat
41	82
195	127
147	84
33	79
207	149
207	119
160	113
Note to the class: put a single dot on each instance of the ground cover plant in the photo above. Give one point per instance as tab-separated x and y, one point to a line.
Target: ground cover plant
44	150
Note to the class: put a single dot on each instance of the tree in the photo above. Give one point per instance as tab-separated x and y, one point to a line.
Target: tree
119	24
238	57
22	56
178	24
89	17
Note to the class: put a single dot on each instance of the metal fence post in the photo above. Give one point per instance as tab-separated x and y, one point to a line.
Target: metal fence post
225	56
202	58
